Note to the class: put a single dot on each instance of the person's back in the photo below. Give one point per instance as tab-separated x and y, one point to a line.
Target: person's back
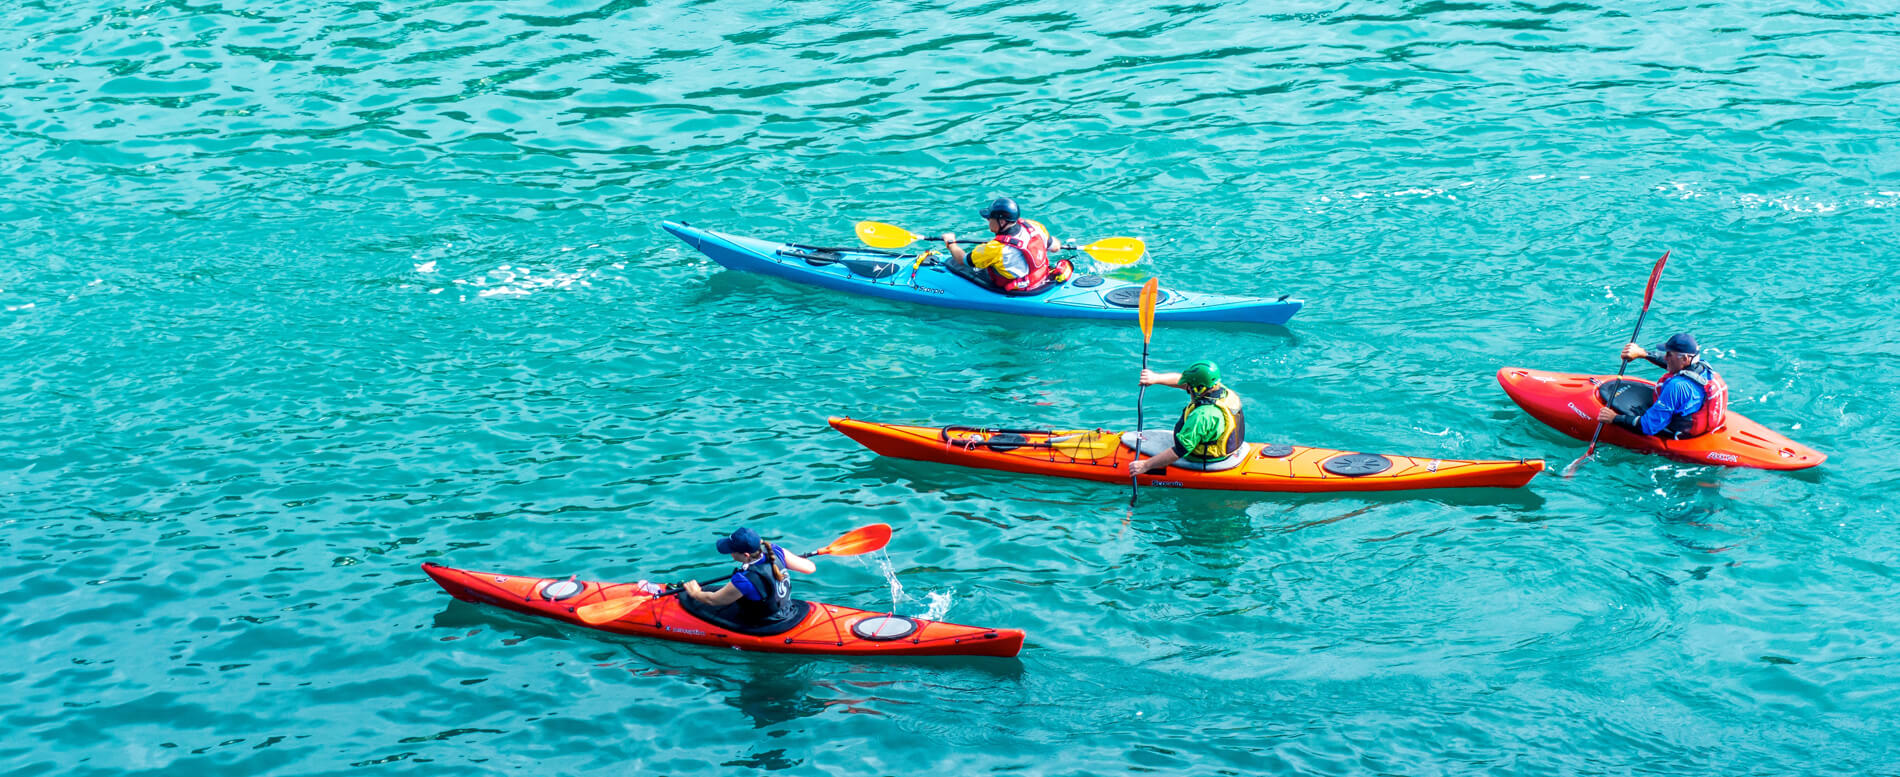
1212	431
1212	426
1016	259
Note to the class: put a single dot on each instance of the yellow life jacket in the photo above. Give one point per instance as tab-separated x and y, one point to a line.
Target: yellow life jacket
1233	424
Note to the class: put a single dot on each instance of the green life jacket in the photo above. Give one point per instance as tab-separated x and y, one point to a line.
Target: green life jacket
1233	425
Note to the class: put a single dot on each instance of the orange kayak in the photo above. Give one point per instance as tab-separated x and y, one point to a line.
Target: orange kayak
1569	403
1098	455
826	628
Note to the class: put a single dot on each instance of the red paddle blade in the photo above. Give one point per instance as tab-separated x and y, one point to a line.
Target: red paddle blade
1149	292
1654	276
1571	471
860	541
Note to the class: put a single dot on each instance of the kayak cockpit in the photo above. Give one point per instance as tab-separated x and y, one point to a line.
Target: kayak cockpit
723	617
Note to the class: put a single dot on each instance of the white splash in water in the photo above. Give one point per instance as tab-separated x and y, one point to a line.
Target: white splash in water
890	576
939	604
936	603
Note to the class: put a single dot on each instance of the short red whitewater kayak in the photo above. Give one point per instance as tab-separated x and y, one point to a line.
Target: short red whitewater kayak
825	628
1569	402
1100	456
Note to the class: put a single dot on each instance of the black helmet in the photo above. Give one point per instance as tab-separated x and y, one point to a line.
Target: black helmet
1003	208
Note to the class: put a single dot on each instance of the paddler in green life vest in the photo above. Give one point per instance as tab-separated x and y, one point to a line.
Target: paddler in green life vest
1016	261
1212	432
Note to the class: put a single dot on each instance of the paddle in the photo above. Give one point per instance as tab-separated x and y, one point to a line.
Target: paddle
1149	291
1655	274
865	267
1108	250
1086	445
1077	444
857	542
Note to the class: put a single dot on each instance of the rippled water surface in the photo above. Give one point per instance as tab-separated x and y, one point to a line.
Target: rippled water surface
302	294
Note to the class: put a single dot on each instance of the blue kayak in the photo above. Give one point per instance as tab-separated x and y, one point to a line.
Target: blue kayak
890	275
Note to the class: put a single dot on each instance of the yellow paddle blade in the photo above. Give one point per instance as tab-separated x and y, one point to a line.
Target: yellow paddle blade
610	610
1150	291
880	235
1086	445
1116	250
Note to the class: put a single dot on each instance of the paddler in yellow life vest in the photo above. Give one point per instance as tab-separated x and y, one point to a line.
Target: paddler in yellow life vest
1016	261
1212	432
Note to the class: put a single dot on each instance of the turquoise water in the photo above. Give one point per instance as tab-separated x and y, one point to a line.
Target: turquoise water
303	294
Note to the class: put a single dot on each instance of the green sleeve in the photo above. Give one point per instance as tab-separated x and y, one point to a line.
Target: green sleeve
1202	427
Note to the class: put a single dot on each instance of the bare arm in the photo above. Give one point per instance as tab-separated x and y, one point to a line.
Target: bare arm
1158	461
956	251
1152	378
799	564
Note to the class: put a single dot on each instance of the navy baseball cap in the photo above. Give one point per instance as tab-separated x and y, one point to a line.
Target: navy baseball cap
744	540
1681	342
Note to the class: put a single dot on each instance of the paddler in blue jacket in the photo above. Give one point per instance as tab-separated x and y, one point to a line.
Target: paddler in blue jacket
1691	400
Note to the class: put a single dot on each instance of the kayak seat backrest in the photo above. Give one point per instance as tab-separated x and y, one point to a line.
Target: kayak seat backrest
723	617
1627	396
1232	461
1035	292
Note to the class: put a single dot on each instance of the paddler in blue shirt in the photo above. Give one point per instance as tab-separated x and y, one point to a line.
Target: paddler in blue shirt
759	592
1691	400
1016	261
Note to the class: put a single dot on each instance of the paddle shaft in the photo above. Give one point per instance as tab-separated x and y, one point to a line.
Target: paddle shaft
1134	491
1649	295
1150	294
1594	436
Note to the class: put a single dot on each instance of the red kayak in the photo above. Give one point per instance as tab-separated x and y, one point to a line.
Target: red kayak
1569	403
825	628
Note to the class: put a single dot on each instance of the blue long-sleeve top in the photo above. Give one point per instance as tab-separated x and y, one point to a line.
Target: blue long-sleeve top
1676	397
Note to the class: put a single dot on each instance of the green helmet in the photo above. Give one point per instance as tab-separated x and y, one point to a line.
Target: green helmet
1201	375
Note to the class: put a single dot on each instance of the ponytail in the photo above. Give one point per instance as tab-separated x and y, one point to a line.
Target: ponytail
772	556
